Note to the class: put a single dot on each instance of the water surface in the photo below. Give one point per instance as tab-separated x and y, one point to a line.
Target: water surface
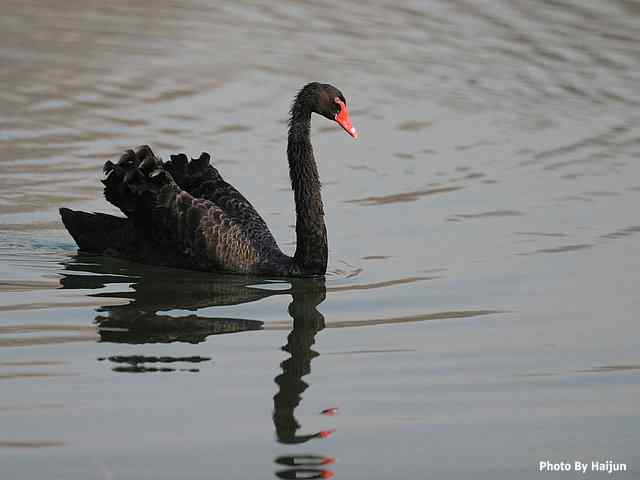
480	311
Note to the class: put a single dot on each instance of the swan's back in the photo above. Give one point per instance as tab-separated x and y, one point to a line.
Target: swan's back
185	212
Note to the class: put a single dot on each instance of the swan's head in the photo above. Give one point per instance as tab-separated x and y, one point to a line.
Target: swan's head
328	101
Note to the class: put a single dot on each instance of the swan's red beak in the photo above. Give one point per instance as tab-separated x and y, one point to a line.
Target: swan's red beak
343	119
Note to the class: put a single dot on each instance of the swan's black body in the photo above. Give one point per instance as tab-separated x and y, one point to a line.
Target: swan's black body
182	213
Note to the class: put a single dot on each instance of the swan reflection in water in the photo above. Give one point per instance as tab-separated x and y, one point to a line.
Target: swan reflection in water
153	292
307	322
144	320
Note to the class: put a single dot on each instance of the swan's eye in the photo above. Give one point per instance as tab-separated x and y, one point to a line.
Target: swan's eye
340	104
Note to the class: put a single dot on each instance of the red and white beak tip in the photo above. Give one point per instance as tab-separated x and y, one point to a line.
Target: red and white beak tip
343	119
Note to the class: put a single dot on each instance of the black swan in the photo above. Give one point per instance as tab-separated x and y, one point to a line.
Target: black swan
182	213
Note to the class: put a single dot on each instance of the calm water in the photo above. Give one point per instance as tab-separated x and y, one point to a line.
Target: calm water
481	310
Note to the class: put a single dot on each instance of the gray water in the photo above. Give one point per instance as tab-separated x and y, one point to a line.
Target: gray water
480	313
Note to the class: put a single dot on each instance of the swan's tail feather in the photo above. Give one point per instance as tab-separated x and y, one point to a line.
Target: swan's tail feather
134	183
99	232
164	215
192	175
178	168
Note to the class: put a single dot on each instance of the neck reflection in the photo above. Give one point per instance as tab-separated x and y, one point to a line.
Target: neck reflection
307	322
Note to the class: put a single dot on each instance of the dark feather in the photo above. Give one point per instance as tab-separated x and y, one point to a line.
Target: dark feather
186	206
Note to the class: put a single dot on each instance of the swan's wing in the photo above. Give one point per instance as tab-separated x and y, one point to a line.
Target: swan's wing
205	235
202	180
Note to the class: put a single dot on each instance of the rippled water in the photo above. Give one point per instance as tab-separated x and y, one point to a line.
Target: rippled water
480	314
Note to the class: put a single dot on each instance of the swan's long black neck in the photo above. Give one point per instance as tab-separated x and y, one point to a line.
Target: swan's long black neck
311	232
